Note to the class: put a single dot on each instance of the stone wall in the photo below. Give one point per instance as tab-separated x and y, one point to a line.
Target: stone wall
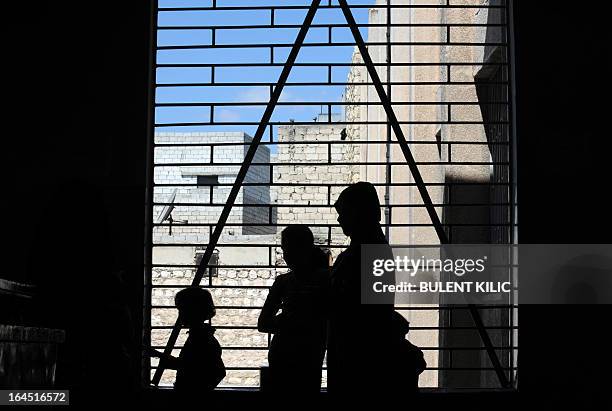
236	327
313	205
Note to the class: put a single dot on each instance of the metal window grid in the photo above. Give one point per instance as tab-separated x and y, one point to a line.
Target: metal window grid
497	119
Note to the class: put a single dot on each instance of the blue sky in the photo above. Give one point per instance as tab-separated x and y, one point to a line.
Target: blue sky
252	74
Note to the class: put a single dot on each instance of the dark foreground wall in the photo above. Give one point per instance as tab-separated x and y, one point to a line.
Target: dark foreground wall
564	141
73	168
74	89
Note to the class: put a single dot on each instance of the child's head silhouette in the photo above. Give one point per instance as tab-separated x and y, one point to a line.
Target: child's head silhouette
400	325
195	306
297	242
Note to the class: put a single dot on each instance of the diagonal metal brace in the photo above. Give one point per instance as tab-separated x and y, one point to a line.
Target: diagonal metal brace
248	159
418	179
258	137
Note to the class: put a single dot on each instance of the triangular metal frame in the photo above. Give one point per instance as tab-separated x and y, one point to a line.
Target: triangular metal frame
250	155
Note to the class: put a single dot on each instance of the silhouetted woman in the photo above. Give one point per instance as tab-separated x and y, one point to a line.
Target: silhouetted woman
295	312
360	335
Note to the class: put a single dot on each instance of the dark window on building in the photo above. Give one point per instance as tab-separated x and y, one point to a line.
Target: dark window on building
207	181
212	265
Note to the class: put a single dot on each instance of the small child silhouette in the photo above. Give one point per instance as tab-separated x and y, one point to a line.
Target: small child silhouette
199	365
408	357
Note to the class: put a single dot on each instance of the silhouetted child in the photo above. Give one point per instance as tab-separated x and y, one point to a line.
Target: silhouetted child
408	358
199	365
295	311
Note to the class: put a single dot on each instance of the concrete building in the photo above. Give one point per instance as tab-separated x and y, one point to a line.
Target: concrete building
225	151
308	147
452	128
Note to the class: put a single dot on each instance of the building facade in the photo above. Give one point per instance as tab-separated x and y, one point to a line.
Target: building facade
449	90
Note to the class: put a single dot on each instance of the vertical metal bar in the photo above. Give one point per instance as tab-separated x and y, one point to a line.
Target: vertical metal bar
388	151
512	174
149	199
250	155
418	179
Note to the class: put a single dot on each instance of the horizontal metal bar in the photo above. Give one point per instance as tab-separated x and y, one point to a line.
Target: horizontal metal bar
316	225
234	245
480	369
327	44
313	64
277	184
334	83
425	308
331	143
310	123
230	266
482	389
332	103
337	7
310	205
262	348
279	268
423	328
324	225
208	286
338	163
412	328
323	25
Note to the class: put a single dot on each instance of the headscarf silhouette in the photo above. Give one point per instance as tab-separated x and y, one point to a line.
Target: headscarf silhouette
358	210
360	199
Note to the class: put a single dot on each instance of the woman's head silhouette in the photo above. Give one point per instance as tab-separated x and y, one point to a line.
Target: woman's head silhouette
358	206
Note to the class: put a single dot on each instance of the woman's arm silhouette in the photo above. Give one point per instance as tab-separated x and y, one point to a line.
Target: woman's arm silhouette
269	319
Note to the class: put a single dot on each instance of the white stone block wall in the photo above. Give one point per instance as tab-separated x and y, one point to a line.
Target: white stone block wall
301	165
202	212
225	318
